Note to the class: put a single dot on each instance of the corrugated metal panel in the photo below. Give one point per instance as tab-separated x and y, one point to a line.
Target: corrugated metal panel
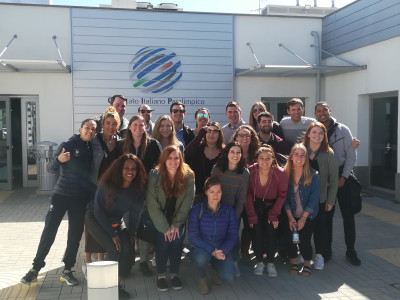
363	23
105	43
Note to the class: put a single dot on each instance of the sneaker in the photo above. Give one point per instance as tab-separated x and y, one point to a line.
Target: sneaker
271	270
162	285
203	286
69	278
122	293
300	259
319	262
353	258
237	269
176	283
144	268
259	269
30	277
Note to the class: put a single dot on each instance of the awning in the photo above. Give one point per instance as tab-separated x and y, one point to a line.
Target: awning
296	70
33	66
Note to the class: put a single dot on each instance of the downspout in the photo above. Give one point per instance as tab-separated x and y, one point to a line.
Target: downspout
317	47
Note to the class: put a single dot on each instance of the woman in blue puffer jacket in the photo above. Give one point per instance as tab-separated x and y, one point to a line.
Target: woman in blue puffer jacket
213	231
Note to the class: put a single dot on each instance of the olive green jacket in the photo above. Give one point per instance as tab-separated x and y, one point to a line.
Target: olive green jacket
328	177
156	201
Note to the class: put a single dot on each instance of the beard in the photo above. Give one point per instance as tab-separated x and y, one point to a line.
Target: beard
266	131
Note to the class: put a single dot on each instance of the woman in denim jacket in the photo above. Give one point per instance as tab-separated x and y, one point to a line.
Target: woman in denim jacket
301	206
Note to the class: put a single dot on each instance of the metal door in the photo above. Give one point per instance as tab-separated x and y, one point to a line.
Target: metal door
5	145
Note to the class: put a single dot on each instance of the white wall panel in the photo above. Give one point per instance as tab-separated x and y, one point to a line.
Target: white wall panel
105	43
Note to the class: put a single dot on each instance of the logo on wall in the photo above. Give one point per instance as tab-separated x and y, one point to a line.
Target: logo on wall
155	70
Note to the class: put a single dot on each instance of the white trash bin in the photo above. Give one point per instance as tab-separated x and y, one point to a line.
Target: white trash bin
102	280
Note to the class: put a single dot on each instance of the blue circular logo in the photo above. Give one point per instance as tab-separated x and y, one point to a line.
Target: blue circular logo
155	70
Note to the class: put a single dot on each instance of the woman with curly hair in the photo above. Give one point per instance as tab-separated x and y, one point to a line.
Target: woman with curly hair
169	197
121	191
164	133
148	151
249	141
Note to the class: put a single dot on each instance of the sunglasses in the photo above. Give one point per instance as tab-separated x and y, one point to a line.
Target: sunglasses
143	111
175	111
258	110
202	115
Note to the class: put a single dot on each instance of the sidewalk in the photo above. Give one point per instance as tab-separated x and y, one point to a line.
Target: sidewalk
22	214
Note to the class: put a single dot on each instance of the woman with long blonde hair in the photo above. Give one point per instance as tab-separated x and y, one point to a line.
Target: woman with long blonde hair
164	133
301	206
169	198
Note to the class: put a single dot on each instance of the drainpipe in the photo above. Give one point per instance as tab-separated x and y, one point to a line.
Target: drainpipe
318	63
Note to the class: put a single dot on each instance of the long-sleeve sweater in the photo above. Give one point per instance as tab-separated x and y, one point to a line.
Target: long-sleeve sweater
75	174
210	231
234	188
275	188
129	200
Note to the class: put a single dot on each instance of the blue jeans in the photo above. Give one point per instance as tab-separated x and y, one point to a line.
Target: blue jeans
169	250
201	260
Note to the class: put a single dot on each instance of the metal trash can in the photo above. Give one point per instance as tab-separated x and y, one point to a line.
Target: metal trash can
44	151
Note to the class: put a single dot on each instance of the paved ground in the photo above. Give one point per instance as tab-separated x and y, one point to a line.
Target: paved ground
378	243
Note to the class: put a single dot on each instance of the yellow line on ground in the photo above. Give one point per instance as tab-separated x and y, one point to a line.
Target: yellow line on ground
381	214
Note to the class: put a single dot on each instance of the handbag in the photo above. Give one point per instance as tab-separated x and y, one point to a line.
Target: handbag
146	230
355	193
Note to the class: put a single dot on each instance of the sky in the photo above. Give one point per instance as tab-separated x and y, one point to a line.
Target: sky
220	6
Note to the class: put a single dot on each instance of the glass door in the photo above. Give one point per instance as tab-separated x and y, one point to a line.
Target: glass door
5	145
384	142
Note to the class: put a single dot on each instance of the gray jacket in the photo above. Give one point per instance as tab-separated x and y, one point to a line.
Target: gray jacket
340	142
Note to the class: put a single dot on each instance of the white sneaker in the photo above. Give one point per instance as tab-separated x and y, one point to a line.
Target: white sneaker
319	262
271	270
300	259
259	269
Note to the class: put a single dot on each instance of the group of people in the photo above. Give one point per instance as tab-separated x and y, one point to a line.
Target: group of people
281	179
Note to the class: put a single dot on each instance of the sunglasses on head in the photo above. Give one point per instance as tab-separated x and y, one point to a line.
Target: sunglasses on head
143	111
202	115
258	110
175	111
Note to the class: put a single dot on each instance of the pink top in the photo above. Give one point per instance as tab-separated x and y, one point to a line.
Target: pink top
275	188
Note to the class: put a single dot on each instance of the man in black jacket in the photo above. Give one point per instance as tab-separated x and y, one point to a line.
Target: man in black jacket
177	112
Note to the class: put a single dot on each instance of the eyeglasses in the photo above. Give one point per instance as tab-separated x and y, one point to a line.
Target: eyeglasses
258	110
242	136
175	111
212	131
202	115
143	111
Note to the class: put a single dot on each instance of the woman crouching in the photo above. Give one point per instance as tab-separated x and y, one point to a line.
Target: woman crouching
169	196
121	190
213	232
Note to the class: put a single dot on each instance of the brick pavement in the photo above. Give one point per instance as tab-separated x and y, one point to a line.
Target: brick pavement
378	227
